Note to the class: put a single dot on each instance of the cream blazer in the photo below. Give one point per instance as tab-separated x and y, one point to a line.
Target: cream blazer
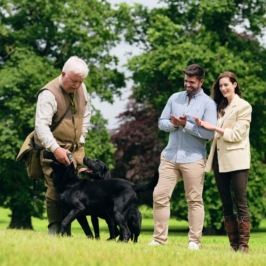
233	148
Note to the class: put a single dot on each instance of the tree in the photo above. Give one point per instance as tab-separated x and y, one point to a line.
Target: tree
98	144
37	37
202	32
138	146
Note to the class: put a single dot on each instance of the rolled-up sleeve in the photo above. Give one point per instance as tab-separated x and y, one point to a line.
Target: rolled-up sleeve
210	115
87	116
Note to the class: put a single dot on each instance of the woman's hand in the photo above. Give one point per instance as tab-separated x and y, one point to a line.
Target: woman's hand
203	123
197	120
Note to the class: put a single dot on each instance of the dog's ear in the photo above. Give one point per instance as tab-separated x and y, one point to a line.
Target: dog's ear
85	159
56	173
48	155
54	165
107	174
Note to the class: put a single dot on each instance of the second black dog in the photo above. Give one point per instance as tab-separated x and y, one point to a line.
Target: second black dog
98	170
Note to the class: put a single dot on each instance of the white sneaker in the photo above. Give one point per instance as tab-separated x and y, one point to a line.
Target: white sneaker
154	243
193	246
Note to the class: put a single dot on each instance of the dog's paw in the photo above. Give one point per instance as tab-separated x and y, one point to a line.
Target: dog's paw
90	236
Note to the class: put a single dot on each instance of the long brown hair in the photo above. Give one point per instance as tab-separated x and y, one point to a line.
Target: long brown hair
218	97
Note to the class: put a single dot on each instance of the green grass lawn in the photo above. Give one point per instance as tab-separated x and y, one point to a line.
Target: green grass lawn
27	247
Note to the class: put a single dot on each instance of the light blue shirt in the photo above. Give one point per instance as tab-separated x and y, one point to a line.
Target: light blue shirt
188	144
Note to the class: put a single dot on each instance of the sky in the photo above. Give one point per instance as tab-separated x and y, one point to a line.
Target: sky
110	111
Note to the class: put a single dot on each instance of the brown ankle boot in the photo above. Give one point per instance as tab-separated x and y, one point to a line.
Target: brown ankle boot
244	233
231	226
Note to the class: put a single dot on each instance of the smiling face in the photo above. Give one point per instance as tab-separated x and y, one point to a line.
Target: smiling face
71	81
227	88
192	85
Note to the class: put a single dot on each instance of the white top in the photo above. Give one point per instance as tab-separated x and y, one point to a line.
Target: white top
45	110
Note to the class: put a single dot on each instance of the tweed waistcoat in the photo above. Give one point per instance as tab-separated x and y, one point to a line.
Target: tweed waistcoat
69	131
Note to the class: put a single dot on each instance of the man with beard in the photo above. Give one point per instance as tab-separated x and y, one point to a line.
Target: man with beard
184	156
61	124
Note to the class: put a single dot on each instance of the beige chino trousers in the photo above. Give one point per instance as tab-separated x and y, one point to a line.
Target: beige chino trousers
193	177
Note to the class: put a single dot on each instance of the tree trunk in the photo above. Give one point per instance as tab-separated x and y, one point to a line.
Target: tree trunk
20	219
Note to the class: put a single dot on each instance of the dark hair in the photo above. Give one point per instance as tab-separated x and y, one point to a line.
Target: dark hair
195	70
218	97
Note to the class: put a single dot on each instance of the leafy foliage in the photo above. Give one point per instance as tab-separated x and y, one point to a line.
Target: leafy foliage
137	144
203	32
98	143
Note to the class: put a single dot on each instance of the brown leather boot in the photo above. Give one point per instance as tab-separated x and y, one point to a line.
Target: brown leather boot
244	233
231	226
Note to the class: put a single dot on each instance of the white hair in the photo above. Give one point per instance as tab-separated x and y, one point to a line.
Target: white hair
76	65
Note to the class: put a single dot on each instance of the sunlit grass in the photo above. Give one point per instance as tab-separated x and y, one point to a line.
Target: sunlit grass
18	247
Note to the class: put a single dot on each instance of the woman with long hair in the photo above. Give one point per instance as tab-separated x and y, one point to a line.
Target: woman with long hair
230	157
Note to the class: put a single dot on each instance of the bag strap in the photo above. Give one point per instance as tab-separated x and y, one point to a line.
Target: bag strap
53	128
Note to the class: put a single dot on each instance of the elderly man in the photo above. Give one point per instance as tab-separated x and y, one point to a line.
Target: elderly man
61	124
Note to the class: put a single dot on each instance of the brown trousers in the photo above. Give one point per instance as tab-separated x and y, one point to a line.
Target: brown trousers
236	182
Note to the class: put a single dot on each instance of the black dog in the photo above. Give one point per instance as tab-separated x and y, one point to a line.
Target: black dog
81	197
98	171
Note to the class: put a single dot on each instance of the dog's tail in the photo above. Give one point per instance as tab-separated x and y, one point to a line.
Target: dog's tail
148	186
